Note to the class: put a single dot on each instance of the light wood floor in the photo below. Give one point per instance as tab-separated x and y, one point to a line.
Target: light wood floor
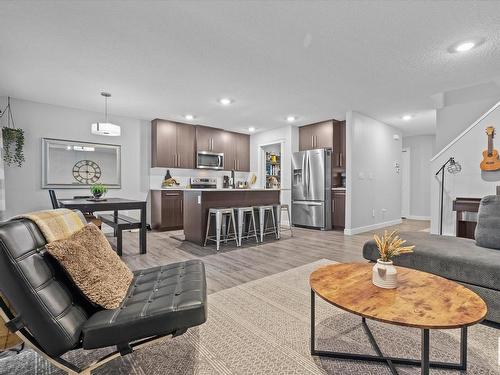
233	266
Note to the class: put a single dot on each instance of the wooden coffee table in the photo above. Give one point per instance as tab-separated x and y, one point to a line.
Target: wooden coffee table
421	300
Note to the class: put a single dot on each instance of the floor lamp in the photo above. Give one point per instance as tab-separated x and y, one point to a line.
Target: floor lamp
453	168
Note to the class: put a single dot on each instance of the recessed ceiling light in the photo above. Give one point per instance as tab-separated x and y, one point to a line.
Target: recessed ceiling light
189	117
251	129
407	117
466	46
291	118
225	101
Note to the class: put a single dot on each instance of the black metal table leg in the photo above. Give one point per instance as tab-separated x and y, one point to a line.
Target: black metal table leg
424	362
376	347
313	319
424	367
143	231
463	348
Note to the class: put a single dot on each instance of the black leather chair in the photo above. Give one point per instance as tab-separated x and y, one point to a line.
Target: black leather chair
53	317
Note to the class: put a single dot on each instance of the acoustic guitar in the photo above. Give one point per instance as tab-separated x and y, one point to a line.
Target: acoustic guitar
490	162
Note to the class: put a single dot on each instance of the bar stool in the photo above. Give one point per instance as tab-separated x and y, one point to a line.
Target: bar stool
280	209
264	212
241	217
221	217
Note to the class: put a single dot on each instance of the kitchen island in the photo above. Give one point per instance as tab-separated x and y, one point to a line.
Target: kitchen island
197	202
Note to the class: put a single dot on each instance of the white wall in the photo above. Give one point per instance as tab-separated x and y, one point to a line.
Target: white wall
471	181
23	185
289	136
422	149
373	187
454	119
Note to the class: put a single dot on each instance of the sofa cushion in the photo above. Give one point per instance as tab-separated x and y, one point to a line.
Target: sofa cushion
93	266
160	301
455	258
488	222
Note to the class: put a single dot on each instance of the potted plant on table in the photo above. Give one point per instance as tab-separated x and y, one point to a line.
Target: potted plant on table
389	245
98	190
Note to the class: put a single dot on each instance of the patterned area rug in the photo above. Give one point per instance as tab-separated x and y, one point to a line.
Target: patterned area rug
262	327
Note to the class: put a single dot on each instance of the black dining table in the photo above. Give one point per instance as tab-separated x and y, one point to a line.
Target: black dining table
111	204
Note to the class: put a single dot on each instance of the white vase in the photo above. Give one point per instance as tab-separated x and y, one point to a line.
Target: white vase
385	275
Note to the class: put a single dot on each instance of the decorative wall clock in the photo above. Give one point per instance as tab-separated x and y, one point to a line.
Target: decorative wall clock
86	172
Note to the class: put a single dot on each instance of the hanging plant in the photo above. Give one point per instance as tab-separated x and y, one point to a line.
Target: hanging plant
13	143
13	140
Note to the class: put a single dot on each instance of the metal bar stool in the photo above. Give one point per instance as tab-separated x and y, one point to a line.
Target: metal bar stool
279	210
264	212
221	217
241	218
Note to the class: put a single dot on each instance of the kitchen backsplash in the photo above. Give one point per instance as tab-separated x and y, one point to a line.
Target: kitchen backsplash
183	176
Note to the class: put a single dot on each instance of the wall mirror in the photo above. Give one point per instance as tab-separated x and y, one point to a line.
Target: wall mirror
74	164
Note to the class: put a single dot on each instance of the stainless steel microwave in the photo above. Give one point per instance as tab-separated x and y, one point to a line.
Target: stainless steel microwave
209	160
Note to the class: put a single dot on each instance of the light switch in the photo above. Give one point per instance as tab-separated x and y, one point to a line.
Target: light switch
199	199
361	175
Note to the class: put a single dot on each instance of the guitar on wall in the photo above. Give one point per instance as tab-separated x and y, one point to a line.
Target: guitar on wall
491	161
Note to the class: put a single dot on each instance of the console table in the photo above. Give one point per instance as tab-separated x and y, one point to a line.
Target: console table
466	209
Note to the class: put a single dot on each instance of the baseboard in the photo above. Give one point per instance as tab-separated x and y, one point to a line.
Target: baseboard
413	217
368	228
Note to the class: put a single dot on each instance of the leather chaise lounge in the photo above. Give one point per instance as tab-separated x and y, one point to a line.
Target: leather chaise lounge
53	317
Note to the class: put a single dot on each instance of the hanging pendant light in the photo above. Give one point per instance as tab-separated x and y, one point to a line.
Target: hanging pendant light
106	128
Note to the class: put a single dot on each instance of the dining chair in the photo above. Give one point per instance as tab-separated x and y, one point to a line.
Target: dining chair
53	199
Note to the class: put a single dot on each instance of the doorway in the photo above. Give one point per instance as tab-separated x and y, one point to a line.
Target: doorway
405	183
272	166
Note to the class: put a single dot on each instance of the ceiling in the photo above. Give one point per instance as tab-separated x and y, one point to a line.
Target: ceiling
315	60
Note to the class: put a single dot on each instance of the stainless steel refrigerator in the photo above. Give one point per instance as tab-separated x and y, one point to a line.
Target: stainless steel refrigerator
311	189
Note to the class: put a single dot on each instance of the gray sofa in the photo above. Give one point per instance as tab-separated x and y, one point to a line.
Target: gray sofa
458	259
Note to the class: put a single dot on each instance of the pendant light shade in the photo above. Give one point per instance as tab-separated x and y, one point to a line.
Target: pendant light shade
106	128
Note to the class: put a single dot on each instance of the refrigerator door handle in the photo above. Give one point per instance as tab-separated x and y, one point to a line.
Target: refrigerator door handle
308	169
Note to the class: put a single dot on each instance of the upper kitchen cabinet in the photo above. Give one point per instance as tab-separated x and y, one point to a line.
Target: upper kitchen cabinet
319	135
172	144
236	152
339	145
234	146
210	139
242	152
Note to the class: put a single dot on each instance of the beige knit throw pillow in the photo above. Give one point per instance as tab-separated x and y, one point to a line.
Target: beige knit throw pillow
94	267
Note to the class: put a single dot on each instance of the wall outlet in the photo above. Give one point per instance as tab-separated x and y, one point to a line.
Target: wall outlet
199	199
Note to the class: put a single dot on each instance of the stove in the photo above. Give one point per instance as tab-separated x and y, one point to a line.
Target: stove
203	183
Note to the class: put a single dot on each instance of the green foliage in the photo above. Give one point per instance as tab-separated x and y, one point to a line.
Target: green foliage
13	143
98	189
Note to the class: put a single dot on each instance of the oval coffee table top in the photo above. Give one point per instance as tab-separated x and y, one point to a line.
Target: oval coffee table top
421	299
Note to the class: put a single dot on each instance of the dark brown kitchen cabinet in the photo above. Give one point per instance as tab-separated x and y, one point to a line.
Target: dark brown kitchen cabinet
230	157
210	139
172	144
338	209
319	135
167	209
236	151
339	145
242	152
306	140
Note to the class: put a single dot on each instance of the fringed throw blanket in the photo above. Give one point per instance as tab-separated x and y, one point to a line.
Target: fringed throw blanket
55	224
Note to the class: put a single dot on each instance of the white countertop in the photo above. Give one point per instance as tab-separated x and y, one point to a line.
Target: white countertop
220	189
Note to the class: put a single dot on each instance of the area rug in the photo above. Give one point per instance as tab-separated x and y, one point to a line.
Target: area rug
262	327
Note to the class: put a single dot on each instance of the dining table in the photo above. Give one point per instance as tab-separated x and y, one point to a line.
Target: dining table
111	204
